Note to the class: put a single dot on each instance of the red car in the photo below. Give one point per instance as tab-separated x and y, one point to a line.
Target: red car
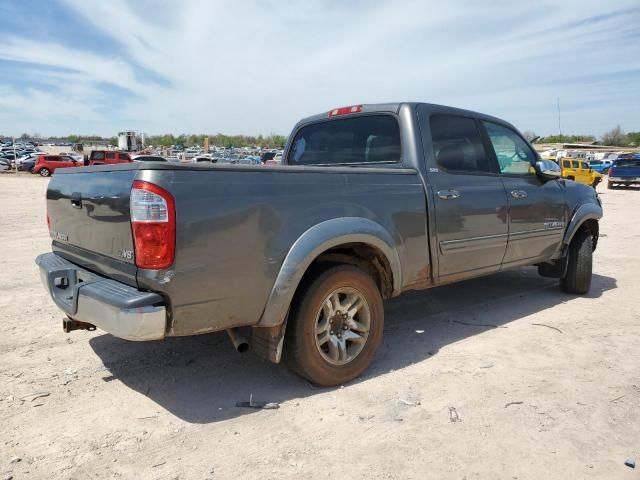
47	164
105	157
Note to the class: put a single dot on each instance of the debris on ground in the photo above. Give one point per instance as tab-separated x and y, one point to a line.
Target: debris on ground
453	415
32	396
631	463
548	326
409	403
258	405
519	402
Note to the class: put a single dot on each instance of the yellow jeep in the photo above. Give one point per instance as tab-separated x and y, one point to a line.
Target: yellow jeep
580	171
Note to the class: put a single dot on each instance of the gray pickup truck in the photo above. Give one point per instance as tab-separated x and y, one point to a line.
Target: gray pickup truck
370	201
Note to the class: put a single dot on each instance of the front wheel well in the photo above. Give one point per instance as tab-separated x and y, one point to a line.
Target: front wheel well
366	257
593	227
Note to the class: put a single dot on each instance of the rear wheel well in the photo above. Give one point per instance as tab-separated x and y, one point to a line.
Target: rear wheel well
369	259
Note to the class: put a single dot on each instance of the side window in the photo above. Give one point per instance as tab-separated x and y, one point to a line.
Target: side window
98	155
365	140
566	164
513	154
123	156
575	164
52	159
584	165
457	144
110	156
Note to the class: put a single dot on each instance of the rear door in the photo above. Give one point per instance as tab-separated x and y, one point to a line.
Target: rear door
469	198
537	212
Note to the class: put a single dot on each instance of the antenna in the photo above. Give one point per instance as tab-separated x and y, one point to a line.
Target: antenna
559	126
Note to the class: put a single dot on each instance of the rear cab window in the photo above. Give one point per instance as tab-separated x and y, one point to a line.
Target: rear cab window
457	144
362	140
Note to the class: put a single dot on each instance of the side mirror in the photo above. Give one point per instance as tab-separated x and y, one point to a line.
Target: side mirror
548	169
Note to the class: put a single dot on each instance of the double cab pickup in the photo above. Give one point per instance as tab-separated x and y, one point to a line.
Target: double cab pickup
370	201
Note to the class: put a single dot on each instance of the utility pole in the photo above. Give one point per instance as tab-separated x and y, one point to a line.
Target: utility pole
15	160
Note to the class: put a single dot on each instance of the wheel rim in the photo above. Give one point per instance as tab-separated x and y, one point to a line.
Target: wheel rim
44	172
342	326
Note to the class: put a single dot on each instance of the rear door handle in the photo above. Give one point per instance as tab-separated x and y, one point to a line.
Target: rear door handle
518	194
448	194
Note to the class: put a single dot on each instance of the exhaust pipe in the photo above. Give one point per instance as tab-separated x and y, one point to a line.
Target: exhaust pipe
239	341
69	325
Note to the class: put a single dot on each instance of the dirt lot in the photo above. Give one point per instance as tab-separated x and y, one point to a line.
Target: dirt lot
501	377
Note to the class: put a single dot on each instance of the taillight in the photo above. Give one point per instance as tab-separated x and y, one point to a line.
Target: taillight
153	222
345	110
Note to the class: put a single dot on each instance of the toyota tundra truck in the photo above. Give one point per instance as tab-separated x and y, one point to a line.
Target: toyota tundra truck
295	260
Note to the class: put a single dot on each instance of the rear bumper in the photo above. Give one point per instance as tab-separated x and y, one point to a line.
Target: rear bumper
119	309
626	180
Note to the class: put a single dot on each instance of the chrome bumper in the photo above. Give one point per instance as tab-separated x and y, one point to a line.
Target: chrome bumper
119	309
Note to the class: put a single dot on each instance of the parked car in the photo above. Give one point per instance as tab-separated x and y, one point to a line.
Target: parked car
600	166
107	157
5	165
276	160
625	171
379	200
267	156
580	171
204	157
250	160
27	165
148	158
46	165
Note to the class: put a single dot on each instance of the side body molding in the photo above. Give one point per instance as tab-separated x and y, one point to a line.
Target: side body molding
586	211
313	242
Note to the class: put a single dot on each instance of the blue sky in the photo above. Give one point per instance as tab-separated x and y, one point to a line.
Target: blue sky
85	67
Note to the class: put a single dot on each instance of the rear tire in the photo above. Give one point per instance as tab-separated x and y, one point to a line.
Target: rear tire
44	172
580	264
335	326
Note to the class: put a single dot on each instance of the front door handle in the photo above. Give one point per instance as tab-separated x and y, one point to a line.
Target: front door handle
448	194
518	194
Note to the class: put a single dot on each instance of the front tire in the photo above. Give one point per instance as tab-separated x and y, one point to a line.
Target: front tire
580	264
44	172
335	326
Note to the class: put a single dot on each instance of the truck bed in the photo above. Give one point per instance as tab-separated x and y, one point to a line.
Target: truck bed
235	225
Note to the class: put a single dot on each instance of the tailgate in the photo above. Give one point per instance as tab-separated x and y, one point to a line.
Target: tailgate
89	219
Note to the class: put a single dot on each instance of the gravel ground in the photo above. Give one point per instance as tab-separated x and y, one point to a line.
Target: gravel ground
500	377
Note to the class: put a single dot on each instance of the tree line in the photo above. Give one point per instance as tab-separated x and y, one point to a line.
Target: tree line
615	137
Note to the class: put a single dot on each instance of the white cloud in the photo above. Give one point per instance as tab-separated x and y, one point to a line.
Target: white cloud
256	67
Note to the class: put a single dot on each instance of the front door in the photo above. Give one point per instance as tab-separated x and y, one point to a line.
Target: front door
470	201
537	212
